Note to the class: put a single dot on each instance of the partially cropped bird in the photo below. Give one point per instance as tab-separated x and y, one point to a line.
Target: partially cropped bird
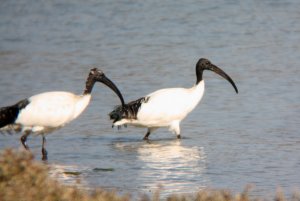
166	107
46	112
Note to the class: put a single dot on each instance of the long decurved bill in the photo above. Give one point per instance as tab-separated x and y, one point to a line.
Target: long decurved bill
224	75
111	85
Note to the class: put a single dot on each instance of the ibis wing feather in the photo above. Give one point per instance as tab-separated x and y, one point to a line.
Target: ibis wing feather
52	109
129	110
165	106
8	115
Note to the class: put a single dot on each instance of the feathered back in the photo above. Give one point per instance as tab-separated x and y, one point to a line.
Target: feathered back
128	111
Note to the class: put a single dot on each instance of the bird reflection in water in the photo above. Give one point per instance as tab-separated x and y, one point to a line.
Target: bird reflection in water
168	165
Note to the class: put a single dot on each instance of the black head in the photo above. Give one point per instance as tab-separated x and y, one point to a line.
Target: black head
205	64
97	75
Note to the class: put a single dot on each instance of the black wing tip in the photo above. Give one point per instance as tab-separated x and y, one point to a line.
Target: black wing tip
8	115
128	111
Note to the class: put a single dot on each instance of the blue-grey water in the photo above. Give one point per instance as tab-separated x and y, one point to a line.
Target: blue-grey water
229	141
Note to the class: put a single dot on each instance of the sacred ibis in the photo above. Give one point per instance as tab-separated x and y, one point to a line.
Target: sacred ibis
165	107
46	112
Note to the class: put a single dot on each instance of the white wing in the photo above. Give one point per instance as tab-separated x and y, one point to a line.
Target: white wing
171	104
52	109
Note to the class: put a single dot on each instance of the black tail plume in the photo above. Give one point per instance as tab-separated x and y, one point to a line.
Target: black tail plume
8	115
128	111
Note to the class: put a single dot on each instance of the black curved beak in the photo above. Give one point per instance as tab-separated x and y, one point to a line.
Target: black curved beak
219	71
111	85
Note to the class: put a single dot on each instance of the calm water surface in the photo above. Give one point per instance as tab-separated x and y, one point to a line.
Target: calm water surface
229	140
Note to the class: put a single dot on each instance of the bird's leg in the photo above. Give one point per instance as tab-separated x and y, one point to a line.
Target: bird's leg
24	138
44	151
149	131
147	135
175	128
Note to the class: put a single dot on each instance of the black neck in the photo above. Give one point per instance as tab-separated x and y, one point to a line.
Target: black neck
89	84
199	73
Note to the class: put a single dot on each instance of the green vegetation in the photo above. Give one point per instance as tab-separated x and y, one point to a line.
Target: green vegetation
24	179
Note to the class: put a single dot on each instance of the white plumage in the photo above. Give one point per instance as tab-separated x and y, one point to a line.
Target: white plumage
165	107
46	112
52	110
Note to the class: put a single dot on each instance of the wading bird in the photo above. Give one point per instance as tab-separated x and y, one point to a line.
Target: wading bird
46	112
166	107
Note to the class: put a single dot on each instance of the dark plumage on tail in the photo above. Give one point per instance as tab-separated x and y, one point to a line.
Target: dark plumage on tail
8	115
128	111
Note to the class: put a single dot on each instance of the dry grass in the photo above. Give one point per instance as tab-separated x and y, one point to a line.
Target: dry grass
22	178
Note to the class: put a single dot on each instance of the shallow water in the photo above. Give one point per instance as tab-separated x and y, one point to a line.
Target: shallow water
229	140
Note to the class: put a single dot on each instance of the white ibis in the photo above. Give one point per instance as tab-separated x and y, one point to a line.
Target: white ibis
46	112
166	107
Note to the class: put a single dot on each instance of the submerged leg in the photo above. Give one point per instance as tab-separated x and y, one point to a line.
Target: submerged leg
44	151
147	135
149	131
24	138
175	128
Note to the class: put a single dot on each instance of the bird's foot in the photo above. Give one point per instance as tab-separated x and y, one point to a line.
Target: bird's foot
145	138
